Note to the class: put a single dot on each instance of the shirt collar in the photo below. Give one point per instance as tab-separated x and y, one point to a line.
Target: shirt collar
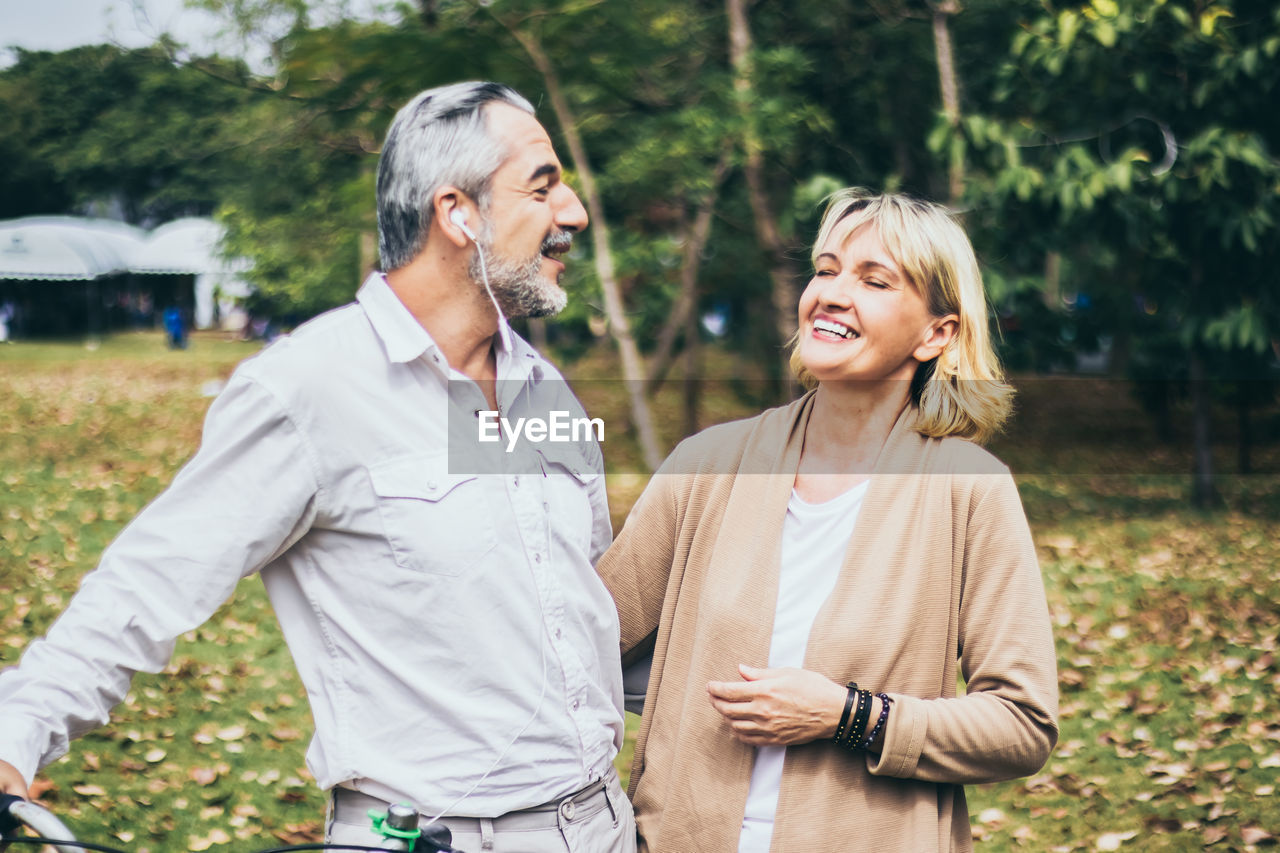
405	339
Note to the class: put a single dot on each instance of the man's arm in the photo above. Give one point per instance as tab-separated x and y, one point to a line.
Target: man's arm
246	496
11	781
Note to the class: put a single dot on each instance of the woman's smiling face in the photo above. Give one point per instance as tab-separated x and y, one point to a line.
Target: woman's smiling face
862	318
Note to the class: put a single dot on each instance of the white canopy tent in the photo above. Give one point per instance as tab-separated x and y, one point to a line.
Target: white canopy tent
190	246
64	275
66	248
70	248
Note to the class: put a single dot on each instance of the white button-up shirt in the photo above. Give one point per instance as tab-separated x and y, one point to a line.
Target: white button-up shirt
445	624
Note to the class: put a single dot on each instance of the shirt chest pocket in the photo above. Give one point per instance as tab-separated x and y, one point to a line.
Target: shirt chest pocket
568	482
435	521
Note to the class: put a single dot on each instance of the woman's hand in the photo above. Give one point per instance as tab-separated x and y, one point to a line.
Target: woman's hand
779	707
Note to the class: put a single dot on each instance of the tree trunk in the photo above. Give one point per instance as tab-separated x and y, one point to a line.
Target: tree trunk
1202	491
686	304
692	364
632	364
368	253
538	333
950	88
369	233
1244	421
783	297
1122	334
1053	280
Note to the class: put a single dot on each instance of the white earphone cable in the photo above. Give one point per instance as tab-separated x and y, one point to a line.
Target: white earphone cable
459	220
542	634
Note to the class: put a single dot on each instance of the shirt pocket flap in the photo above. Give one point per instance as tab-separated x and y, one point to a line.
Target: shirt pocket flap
566	459
425	478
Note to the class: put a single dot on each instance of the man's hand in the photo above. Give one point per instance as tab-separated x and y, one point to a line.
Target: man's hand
779	707
11	781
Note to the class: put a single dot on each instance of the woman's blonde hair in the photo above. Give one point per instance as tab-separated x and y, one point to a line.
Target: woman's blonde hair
962	392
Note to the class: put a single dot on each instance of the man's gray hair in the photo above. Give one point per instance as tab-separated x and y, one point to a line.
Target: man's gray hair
439	138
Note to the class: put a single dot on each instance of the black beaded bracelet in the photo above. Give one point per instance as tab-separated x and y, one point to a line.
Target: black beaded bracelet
879	726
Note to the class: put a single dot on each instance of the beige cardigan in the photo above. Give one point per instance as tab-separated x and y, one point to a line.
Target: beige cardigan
940	567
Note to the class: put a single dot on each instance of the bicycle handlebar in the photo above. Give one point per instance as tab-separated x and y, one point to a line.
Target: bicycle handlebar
15	811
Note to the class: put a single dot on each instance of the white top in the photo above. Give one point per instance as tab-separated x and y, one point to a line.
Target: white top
815	538
433	614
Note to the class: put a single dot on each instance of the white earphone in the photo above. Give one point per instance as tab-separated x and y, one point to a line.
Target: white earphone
460	219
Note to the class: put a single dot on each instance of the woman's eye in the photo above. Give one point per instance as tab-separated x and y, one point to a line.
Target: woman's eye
876	284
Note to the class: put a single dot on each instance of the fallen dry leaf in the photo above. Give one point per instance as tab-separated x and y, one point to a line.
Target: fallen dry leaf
1113	840
203	775
1255	835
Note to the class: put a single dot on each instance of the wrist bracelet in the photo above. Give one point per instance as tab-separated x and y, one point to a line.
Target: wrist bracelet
852	687
858	727
879	726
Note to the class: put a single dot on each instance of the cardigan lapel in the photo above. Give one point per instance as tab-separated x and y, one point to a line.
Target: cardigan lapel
735	612
743	570
846	635
900	461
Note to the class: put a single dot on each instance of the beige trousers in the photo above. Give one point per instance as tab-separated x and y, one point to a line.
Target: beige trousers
603	823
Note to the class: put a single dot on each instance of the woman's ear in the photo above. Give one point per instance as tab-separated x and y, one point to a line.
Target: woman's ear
939	333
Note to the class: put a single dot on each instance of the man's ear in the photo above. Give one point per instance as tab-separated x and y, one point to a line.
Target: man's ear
447	203
940	332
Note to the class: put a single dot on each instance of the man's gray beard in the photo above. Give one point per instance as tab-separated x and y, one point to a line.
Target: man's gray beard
519	287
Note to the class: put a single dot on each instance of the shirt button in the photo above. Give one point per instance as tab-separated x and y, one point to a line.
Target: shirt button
431	485
537	558
557	633
546	506
575	704
515	481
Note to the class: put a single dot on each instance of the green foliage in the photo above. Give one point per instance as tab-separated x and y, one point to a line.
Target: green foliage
1134	138
1241	328
1131	136
104	128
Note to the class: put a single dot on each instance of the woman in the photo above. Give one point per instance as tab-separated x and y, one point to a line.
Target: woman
808	579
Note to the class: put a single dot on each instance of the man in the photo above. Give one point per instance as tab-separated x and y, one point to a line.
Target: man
458	649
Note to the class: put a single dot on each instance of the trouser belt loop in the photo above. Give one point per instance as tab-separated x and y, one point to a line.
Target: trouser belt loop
486	833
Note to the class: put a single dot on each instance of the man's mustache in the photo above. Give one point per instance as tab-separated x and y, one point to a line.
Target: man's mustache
559	241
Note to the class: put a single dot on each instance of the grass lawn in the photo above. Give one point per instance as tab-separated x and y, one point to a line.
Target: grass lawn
1166	620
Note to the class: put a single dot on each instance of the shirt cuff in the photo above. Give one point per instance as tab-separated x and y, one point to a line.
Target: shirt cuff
903	738
23	753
